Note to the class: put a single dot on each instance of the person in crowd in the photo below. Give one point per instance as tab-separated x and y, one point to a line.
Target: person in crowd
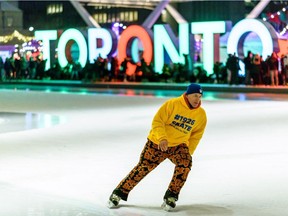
114	70
123	69
255	70
273	65
23	68
166	72
40	68
201	76
17	65
285	69
2	70
75	70
264	71
282	72
177	128
9	67
233	67
218	72
248	67
32	65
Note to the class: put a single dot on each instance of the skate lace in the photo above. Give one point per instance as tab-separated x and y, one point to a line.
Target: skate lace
171	200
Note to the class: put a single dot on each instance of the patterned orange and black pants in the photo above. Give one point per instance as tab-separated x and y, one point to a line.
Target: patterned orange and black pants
150	158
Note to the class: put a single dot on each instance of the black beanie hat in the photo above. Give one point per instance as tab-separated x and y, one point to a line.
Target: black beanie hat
194	88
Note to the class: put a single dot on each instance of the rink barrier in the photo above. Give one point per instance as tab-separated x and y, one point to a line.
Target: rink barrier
148	86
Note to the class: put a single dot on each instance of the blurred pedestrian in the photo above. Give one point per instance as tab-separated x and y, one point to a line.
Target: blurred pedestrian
273	65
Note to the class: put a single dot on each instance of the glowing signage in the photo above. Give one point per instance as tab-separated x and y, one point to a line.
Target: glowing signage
263	29
155	45
63	50
46	37
108	39
164	38
126	41
208	29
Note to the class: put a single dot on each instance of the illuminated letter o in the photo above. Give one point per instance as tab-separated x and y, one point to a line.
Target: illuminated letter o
125	41
240	31
77	36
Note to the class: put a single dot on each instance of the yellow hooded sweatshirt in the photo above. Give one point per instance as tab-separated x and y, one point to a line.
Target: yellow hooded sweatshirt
178	123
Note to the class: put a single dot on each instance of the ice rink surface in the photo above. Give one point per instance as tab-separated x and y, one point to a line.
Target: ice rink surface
62	154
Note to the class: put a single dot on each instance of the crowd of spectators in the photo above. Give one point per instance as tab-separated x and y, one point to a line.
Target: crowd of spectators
102	69
271	71
18	67
258	71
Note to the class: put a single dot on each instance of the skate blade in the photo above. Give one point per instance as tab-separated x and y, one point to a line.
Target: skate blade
166	207
111	205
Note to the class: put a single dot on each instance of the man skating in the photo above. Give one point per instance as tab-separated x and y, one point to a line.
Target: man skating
176	131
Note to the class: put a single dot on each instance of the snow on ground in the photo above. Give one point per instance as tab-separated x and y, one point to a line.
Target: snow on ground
77	147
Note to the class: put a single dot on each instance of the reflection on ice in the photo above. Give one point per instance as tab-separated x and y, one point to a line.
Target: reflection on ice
11	122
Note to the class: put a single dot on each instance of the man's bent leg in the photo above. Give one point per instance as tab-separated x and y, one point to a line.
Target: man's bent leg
182	159
150	158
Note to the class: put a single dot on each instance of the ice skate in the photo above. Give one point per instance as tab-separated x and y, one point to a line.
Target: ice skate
113	201
169	204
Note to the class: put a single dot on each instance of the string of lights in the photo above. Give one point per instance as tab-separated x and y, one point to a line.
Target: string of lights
278	18
17	35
